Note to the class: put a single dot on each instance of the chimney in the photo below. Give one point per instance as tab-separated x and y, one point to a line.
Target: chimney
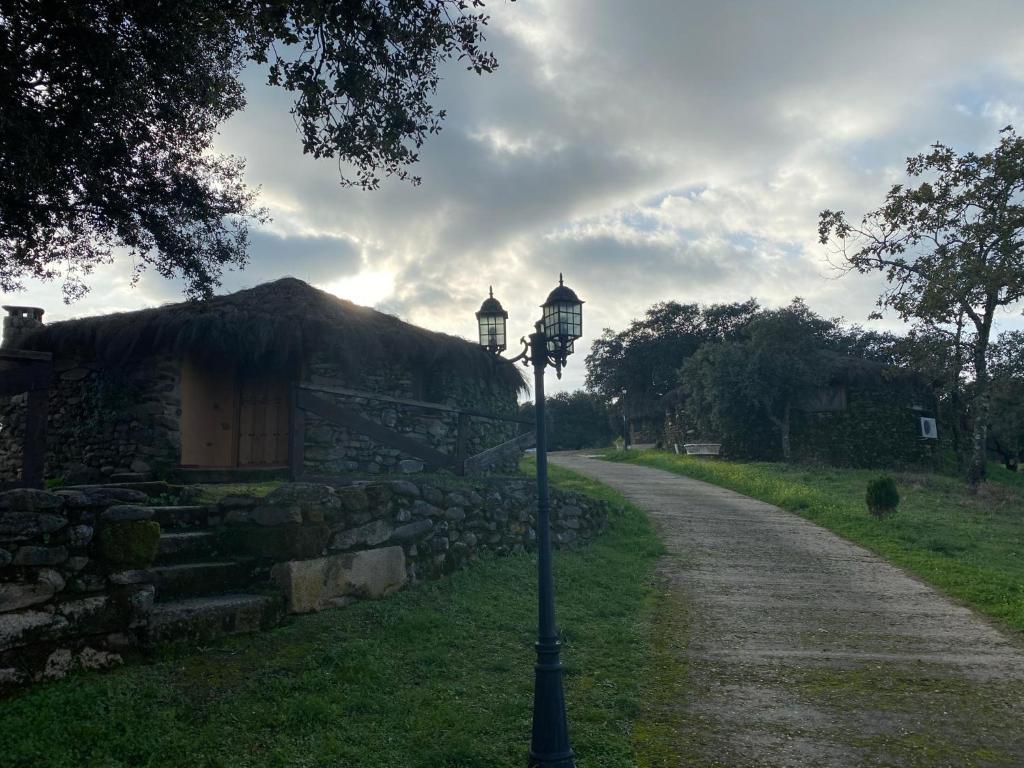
19	322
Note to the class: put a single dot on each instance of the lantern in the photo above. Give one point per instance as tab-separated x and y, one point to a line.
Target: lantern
563	319
491	321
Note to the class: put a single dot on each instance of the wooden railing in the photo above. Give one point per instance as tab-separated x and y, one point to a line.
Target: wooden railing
307	399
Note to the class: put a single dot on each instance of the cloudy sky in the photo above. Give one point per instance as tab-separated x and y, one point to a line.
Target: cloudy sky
653	150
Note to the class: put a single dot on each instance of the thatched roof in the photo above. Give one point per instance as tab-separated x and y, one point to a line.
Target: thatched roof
273	325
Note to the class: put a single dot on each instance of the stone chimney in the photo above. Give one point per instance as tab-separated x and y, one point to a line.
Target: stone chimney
19	322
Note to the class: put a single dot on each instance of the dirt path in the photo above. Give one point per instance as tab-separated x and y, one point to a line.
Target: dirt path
801	649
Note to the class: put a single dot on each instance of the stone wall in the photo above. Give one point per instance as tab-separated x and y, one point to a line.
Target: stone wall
333	449
79	587
405	530
109	420
69	592
103	420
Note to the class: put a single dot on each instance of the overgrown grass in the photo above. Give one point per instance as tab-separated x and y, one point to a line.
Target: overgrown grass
438	676
970	546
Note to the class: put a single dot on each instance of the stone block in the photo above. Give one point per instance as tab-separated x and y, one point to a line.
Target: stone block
422	508
132	543
405	488
125	513
272	515
16	525
412	531
15	595
371	534
295	541
40	556
410	466
30	500
25	627
311	585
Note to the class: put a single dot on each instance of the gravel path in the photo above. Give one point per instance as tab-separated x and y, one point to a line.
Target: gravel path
801	649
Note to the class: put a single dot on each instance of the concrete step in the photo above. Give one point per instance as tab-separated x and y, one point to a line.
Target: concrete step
180	546
195	516
196	579
198	619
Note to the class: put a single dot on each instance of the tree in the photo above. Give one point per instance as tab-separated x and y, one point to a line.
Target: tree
950	245
575	420
644	358
779	360
1006	434
108	109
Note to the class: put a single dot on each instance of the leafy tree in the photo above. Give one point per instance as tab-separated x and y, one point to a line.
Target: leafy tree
764	374
578	420
1006	435
575	420
644	358
950	245
108	109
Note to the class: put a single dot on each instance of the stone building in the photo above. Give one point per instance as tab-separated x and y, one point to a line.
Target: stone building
865	415
256	381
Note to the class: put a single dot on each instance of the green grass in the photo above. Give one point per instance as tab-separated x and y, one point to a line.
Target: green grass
969	546
438	676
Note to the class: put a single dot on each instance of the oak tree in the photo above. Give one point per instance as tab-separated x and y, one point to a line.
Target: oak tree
951	244
108	110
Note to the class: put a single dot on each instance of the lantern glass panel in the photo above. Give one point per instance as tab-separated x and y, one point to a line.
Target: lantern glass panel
492	331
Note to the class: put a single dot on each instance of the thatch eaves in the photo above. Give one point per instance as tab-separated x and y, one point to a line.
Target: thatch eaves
275	325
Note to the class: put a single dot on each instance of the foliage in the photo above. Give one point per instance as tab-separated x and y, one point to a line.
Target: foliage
882	497
966	544
764	374
438	675
110	108
575	420
950	247
1006	434
644	358
131	543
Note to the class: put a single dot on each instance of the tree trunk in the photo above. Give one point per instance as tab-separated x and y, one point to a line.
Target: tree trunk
783	426
955	399
979	449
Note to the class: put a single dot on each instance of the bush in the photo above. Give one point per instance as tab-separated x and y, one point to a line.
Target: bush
882	496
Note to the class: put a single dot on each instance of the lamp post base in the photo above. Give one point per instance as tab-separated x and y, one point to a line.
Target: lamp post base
550	745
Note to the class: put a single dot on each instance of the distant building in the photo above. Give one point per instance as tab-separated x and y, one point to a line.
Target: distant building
868	415
216	384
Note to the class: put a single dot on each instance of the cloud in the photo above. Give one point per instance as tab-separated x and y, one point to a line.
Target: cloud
649	151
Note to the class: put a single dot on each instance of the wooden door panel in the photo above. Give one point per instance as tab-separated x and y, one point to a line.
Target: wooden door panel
263	422
208	428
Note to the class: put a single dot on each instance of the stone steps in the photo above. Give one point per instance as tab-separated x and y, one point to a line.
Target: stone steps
180	546
194	579
199	619
193	516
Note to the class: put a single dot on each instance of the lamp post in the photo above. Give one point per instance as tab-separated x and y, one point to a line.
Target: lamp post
551	343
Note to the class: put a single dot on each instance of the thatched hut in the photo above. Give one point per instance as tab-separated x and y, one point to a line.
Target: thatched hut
212	384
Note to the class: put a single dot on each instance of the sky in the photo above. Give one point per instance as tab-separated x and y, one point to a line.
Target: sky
649	151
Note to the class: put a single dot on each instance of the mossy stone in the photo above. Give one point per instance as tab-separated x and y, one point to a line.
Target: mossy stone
130	543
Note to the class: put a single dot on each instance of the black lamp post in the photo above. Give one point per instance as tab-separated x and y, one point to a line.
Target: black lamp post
551	343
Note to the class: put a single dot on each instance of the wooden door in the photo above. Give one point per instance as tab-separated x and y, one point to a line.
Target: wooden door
263	422
208	425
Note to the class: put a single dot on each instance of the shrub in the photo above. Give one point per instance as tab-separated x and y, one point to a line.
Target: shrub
882	496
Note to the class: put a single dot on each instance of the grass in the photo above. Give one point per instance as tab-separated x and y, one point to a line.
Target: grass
969	546
438	676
